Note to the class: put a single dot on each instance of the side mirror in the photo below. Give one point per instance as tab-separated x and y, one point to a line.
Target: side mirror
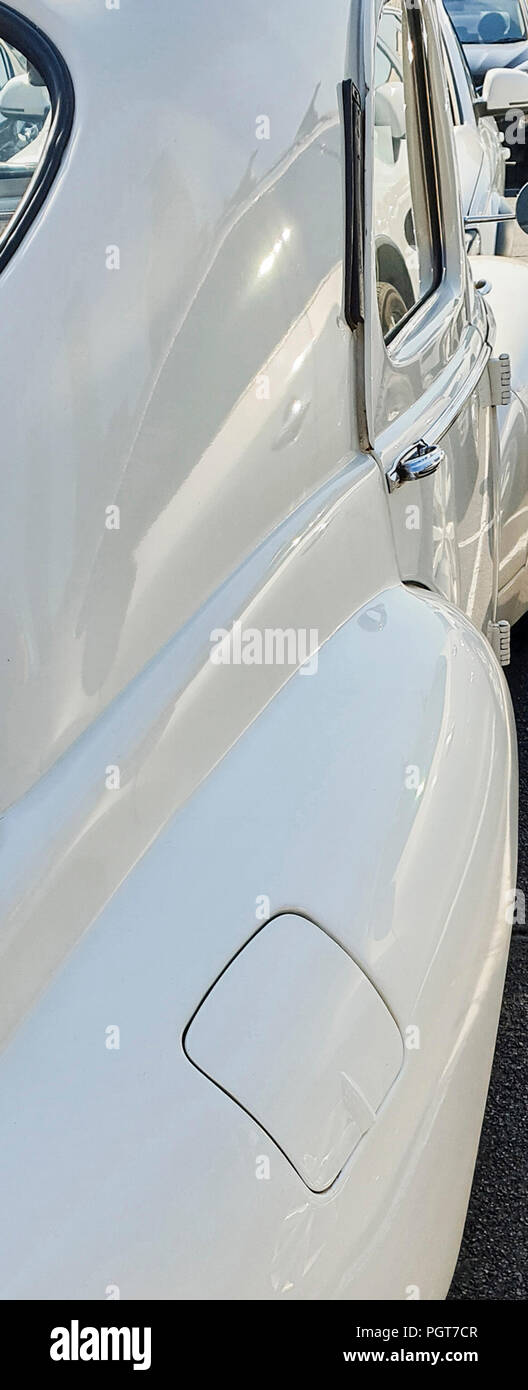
21	99
504	88
521	209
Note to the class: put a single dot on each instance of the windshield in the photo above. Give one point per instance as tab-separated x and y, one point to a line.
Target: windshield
487	21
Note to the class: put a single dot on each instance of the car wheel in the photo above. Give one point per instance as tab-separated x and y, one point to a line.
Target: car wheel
391	307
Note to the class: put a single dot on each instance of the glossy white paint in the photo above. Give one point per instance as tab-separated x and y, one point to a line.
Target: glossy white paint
296	1034
508	287
426	385
18	96
376	796
137	1169
503	87
127	401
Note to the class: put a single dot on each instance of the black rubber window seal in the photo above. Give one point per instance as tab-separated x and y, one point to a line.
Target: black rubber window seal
15	29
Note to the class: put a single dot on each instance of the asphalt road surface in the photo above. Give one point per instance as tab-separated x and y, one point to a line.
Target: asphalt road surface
493	1261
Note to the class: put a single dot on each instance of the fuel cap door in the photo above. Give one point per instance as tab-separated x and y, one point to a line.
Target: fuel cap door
297	1035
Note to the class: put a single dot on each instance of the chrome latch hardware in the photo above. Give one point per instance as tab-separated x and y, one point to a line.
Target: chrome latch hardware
418	462
497	390
499	639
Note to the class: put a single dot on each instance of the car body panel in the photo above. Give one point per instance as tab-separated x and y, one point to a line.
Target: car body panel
427	384
179	701
492	172
109	393
137	1170
508	282
471	165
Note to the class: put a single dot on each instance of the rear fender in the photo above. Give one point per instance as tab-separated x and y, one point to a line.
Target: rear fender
376	795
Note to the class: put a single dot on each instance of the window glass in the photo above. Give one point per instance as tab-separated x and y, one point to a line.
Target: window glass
6	70
389	45
454	96
487	21
390	30
405	214
25	115
456	64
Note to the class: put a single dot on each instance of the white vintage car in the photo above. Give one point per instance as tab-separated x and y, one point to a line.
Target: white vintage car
259	558
481	151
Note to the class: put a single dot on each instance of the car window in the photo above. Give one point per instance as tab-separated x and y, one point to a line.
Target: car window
390	26
385	69
454	95
389	45
487	21
34	87
461	74
24	110
19	59
6	70
406	227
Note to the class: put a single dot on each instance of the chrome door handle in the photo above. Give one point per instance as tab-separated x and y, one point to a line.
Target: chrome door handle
419	462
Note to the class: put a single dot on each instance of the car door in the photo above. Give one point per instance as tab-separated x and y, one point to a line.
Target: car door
426	329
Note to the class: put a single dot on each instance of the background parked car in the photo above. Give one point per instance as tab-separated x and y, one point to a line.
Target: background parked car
481	157
17	172
12	64
494	35
482	154
24	125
